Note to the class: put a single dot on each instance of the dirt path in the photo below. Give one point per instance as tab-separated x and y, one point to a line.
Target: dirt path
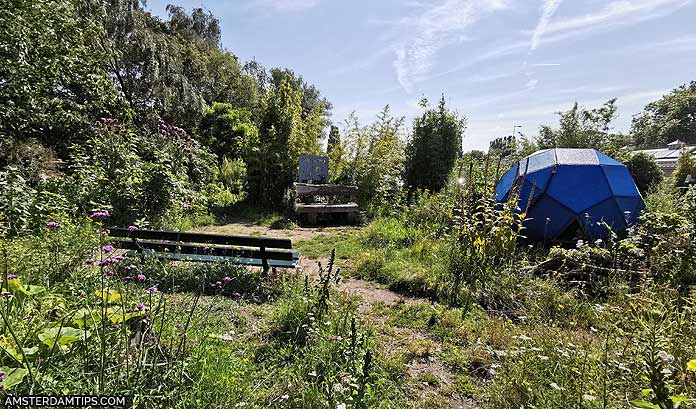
432	380
296	233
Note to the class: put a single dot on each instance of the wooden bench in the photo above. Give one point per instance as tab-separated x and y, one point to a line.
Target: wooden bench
305	204
263	252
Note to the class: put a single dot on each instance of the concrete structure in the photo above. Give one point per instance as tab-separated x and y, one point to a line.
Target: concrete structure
667	157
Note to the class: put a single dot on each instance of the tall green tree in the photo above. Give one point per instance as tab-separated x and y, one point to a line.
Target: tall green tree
670	118
334	139
434	147
172	69
229	132
579	127
283	136
52	81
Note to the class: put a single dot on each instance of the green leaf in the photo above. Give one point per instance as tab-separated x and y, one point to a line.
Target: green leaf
13	376
8	346
30	290
116	315
67	336
110	296
643	404
85	318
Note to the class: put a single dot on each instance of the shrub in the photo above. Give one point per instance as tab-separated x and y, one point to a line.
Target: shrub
645	172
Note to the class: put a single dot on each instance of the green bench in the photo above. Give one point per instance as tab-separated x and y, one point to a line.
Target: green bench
263	252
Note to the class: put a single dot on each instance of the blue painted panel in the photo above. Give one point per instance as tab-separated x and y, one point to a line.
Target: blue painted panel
606	160
579	187
620	180
505	184
633	205
606	212
547	218
538	181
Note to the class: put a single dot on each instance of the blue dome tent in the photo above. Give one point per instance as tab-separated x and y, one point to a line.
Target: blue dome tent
570	193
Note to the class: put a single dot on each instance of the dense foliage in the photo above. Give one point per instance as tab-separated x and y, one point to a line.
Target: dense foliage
672	117
433	147
110	112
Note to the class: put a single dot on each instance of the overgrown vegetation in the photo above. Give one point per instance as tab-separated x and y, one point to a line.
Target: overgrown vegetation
112	116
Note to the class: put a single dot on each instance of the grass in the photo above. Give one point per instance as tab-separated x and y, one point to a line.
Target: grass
523	337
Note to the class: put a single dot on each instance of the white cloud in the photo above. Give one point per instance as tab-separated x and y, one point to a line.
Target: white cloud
427	33
549	9
531	84
616	13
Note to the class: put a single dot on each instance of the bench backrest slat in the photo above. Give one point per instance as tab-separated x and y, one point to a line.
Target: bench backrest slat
182	248
203	238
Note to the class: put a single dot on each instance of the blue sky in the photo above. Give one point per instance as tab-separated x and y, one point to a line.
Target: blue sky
498	62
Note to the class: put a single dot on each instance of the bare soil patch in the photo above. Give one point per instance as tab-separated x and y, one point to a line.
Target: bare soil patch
250	229
432	380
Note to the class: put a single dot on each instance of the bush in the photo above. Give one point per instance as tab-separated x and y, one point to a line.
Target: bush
138	176
645	172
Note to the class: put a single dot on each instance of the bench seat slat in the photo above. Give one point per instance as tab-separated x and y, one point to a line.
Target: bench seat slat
216	259
191	249
203	238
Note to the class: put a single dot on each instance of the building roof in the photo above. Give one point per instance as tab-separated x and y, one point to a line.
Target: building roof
670	153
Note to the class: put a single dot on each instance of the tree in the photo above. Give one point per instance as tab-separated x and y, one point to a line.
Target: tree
283	136
670	118
311	97
645	171
434	147
504	146
686	166
173	69
579	128
229	132
373	161
52	81
334	139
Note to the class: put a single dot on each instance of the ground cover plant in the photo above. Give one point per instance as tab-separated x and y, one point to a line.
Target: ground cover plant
113	116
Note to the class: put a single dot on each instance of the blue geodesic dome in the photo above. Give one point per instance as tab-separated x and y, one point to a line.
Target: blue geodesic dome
573	193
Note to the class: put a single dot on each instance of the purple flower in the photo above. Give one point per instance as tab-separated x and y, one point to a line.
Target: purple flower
107	262
139	306
89	262
99	215
237	294
119	258
132	228
53	225
109	273
129	310
141	277
152	289
226	278
108	248
11	276
127	278
2	376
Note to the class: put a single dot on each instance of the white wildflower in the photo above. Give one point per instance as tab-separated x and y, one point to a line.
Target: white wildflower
555	386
